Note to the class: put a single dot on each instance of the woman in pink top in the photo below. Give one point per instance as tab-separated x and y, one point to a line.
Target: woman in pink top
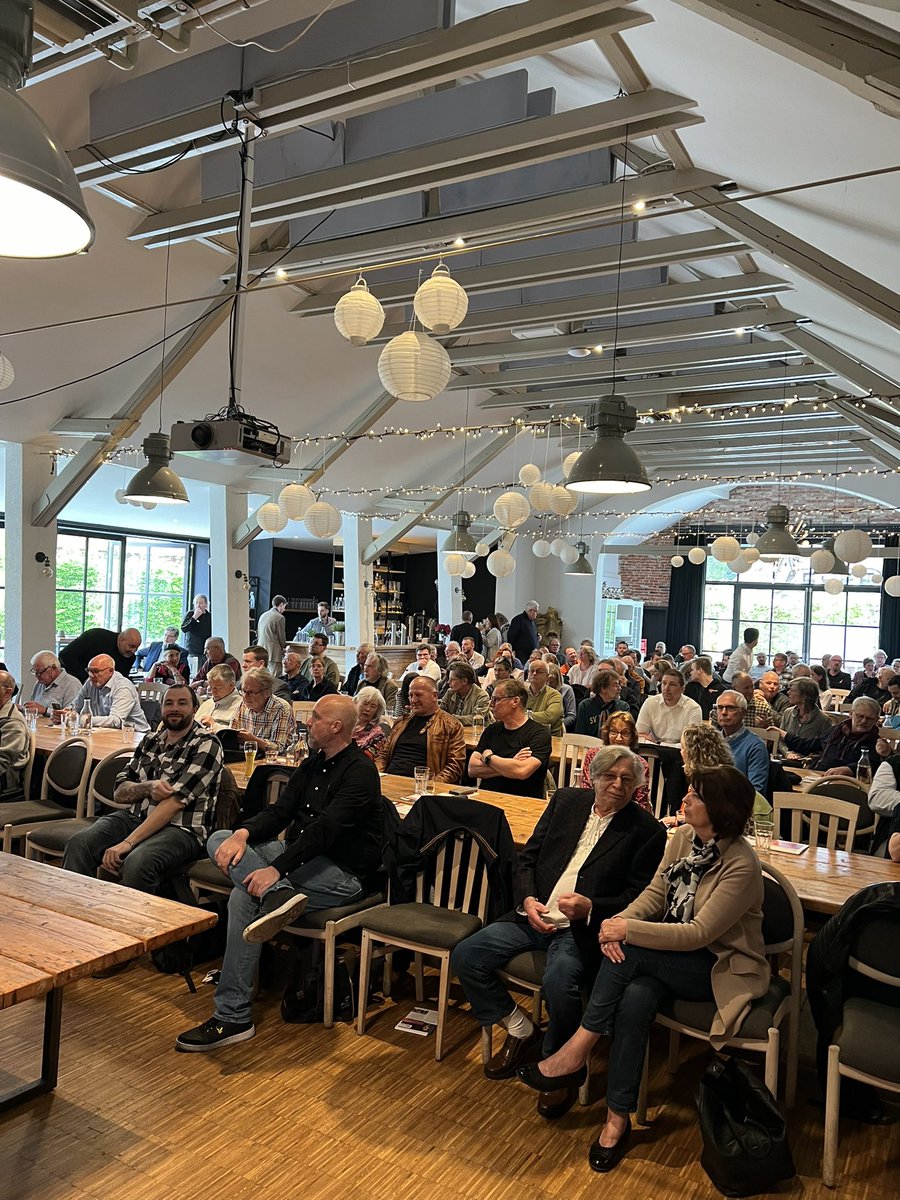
619	730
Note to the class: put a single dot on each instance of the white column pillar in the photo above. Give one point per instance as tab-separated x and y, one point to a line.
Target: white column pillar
359	600
229	601
606	574
450	594
30	595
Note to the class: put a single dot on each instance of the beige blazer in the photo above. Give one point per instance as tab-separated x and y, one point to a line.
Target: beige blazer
727	921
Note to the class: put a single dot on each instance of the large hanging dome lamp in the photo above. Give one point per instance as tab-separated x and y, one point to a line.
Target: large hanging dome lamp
157	483
270	517
414	367
358	314
460	541
440	303
609	466
322	519
42	209
295	500
580	566
511	509
776	541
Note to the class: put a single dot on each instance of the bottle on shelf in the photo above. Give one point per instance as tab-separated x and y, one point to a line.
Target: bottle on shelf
864	768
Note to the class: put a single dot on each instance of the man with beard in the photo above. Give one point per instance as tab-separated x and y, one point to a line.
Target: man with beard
171	784
331	855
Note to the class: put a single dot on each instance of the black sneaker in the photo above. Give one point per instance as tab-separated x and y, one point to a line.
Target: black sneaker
212	1034
278	908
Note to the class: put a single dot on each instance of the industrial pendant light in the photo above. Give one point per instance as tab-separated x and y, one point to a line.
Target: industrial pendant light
580	566
609	465
776	541
42	210
460	541
157	482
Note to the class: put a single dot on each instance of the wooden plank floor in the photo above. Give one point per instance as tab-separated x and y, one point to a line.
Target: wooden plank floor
301	1111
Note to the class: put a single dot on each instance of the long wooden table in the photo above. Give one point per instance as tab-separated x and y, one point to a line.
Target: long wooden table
825	879
56	927
103	741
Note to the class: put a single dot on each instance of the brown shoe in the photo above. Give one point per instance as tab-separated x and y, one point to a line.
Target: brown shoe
551	1105
513	1053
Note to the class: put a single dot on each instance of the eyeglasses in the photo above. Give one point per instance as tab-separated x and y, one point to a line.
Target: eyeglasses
726	707
247	692
99	670
43	671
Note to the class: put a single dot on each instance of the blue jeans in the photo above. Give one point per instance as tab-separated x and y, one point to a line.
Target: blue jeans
625	999
147	865
325	886
478	958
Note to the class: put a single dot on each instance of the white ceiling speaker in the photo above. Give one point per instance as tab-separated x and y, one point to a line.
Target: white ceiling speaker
295	501
540	495
455	564
569	463
511	509
541	548
563	502
697	555
529	474
322	519
440	303
270	517
892	586
414	367
853	545
821	561
834	587
725	549
7	374
676	560
501	563
358	314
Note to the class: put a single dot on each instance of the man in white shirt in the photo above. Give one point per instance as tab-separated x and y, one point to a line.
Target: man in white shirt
663	719
216	712
471	655
742	658
424	665
54	687
113	699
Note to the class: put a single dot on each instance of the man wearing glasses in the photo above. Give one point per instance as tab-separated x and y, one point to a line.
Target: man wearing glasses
262	718
112	698
750	754
15	748
514	752
53	688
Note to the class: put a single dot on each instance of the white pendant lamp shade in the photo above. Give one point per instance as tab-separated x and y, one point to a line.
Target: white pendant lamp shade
568	555
557	546
358	314
853	545
563	502
676	560
610	466
697	555
455	564
750	555
834	587
529	474
7	374
501	563
821	561
859	570
580	567
752	538
776	541
877	578
569	462
296	500
892	586
541	548
270	517
725	549
540	495
440	303
511	509
838	566
322	519
157	483
468	570
414	367
460	541
482	549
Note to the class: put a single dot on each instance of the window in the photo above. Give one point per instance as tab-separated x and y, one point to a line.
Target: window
2	591
88	583
155	582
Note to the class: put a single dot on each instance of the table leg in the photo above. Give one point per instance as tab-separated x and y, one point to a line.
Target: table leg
49	1056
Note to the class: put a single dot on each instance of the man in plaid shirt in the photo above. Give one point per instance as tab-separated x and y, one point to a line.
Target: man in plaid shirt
171	783
261	717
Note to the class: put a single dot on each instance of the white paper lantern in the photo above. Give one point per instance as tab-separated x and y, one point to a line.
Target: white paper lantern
563	502
676	560
739	565
834	587
541	548
725	549
468	570
7	374
148	504
414	367
697	555
270	517
750	555
482	549
455	564
752	538
529	474
501	563
511	509
358	315
120	497
568	555
853	545
440	303
295	500
821	561
540	495
557	546
892	586
877	578
322	519
569	463
859	570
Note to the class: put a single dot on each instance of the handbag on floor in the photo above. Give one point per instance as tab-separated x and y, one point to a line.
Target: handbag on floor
745	1146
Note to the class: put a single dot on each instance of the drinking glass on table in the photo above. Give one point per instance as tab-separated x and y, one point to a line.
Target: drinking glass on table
128	733
421	776
763	828
249	758
271	754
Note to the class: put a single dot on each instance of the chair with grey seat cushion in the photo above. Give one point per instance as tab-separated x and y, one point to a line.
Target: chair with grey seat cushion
65	776
49	841
852	792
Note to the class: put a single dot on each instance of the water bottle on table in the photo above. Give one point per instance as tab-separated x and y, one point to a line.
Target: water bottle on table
85	720
864	769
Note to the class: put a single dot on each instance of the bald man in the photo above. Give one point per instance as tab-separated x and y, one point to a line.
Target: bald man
112	699
121	647
331	856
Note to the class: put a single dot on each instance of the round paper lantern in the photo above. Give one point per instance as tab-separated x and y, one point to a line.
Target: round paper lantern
739	565
501	563
859	570
511	509
557	546
529	474
455	564
853	545
752	538
148	504
270	517
697	555
468	570
568	555
877	578
563	502
725	549
569	463
7	374
358	315
482	549
413	366
295	500
892	586
120	497
821	561
322	519
676	560
750	555
440	302
541	548
540	495
834	587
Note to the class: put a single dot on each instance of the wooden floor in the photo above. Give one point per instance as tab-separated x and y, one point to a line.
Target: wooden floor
318	1114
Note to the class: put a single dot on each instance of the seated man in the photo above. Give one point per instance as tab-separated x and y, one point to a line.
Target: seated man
171	783
837	676
261	717
769	688
470	654
428	737
15	748
112	699
603	700
293	678
149	655
54	687
218	710
663	719
544	703
424	664
376	674
317	646
258	656
751	756
513	753
843	746
590	853
331	856
760	713
464	699
354	680
215	654
703	687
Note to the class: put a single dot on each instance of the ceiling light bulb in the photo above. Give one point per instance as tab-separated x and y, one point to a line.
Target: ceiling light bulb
639	206
459	241
740	331
281	273
596	349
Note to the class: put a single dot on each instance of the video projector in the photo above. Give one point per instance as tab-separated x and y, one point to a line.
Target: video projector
230	439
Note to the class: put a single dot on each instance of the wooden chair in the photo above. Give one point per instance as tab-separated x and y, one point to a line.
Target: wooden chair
151	690
838	696
303	709
66	772
656	784
769	736
49	841
853	792
815	816
28	772
572	749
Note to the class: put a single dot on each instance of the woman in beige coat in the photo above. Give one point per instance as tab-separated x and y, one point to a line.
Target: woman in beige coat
695	933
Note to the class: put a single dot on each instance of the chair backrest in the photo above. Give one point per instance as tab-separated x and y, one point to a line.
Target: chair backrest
822	815
302	709
889	733
455	872
66	774
656	787
852	792
103	781
783	923
838	696
875	948
572	749
29	766
769	736
151	690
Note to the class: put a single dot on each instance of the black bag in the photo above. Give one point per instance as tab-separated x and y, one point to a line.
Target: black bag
745	1148
303	1002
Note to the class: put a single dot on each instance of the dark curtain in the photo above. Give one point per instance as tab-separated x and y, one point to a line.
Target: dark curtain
889	628
684	619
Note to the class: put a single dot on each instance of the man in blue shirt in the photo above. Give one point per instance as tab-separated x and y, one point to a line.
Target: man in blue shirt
113	699
750	754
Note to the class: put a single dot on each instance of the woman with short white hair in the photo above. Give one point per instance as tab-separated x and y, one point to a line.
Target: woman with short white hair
370	731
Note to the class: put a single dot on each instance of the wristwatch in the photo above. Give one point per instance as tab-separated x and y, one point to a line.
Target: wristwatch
486	757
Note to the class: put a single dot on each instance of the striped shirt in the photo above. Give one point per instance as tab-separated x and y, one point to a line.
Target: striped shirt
275	723
192	765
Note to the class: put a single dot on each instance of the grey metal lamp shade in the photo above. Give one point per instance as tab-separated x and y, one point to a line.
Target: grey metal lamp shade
580	566
610	465
157	483
460	541
777	541
42	210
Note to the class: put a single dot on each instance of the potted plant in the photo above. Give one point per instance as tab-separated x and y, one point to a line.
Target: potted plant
338	631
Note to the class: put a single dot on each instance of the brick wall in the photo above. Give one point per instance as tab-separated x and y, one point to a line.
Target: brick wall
646	578
748	505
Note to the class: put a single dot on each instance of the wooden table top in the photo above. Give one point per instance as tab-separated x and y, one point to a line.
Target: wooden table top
522	812
103	741
825	879
56	926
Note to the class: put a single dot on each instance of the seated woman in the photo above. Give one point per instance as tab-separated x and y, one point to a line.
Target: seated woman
820	675
570	708
371	728
619	729
320	685
169	669
803	724
703	746
603	701
695	933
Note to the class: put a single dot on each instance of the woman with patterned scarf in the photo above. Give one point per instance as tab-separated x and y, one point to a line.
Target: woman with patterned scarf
695	933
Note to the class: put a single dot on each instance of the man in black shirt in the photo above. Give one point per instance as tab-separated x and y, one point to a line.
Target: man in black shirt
704	687
331	856
837	677
514	752
121	647
523	632
466	629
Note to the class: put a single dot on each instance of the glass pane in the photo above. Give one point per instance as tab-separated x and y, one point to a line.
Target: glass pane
828	610
756	605
135	566
715	570
785	637
860	643
789	605
70	556
718	602
717	637
825	639
103	558
101	609
134	613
